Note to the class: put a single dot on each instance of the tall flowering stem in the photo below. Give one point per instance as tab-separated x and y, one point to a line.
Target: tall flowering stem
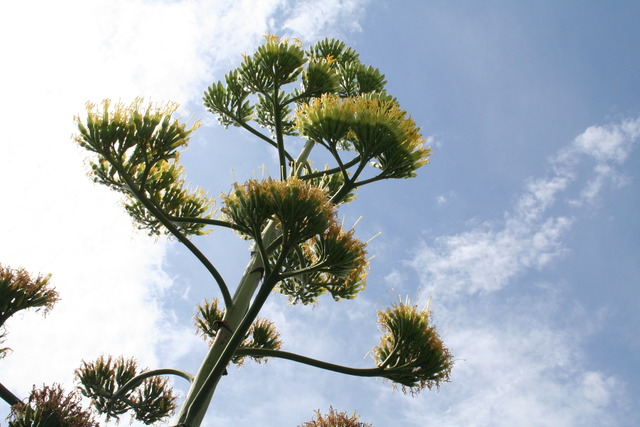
299	247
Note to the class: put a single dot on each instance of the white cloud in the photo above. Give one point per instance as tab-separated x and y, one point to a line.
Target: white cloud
309	18
523	360
518	366
487	258
444	199
608	143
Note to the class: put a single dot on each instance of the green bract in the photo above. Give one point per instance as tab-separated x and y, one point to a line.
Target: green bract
261	335
208	319
410	350
333	49
276	63
101	379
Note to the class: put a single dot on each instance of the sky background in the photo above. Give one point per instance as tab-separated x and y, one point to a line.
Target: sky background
523	231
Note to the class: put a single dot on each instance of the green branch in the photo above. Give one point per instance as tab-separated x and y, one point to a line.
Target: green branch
157	212
277	118
317	174
358	171
9	397
369	181
341	167
304	270
201	396
138	379
255	132
359	372
207	221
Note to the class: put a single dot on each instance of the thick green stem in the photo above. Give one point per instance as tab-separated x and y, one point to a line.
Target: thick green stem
9	397
198	398
196	411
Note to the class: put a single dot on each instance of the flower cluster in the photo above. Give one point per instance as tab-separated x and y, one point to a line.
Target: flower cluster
302	210
262	334
18	291
136	150
101	381
374	125
51	406
314	255
411	353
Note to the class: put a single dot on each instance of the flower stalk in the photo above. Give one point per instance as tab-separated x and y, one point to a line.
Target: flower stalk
299	249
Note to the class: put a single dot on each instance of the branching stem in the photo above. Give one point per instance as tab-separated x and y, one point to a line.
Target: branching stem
157	212
138	379
359	372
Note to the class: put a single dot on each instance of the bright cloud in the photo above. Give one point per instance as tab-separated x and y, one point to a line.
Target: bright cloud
524	377
310	18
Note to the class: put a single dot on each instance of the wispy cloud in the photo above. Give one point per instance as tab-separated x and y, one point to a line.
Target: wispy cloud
486	258
527	375
310	19
522	359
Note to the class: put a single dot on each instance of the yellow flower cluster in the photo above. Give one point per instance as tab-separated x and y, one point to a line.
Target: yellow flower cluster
301	209
377	128
136	147
411	351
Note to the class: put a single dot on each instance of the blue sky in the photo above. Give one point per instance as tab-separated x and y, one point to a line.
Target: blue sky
522	231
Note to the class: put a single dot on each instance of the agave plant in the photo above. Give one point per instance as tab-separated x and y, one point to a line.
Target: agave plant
329	98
